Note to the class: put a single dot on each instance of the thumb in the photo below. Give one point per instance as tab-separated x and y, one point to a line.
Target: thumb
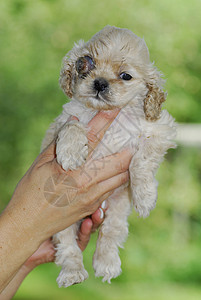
49	153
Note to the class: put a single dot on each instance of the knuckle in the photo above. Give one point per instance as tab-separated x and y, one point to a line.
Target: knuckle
93	204
93	137
121	167
124	177
83	189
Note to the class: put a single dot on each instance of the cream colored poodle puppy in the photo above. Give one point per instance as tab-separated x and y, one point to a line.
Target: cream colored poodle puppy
112	70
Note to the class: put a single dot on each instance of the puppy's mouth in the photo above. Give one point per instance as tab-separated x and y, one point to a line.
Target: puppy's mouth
97	101
98	94
99	97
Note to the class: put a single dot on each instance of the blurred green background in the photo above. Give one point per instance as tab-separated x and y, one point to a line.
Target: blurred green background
162	256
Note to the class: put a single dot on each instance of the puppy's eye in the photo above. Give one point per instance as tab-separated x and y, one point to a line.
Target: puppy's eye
125	76
84	65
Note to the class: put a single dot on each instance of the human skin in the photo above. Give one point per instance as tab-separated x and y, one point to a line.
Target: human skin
46	252
29	219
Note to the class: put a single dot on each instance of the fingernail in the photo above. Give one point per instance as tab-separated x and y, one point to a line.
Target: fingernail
101	213
103	205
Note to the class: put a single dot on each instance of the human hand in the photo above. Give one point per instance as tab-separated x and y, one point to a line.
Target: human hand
46	252
75	196
32	216
90	225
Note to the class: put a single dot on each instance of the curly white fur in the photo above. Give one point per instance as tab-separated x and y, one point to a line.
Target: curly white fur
140	125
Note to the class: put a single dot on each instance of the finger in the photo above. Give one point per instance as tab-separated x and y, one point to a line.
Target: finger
95	171
50	150
96	193
47	155
104	198
84	233
110	184
98	126
97	218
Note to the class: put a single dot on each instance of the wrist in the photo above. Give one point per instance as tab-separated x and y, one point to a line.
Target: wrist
26	269
25	216
16	244
20	232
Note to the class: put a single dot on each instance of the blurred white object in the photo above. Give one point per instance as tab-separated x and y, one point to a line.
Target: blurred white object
189	134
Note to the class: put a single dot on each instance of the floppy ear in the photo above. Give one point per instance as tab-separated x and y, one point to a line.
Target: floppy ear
67	74
65	79
153	102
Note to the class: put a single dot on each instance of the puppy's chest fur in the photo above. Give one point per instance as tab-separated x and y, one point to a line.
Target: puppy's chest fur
128	129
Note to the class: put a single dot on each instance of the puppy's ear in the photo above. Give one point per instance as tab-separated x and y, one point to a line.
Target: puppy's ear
153	102
68	74
65	79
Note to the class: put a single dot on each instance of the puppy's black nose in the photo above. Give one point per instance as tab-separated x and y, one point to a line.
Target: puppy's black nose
100	84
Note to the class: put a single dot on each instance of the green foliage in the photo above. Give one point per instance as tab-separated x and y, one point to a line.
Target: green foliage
161	259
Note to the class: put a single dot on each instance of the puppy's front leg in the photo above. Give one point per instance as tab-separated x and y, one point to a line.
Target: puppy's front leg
72	145
69	256
143	168
71	150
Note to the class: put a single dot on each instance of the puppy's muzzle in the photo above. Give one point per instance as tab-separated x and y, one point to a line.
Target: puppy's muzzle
100	85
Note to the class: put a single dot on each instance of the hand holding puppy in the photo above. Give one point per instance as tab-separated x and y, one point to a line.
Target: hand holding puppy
29	218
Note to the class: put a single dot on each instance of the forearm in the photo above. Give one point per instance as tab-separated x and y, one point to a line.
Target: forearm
16	245
10	290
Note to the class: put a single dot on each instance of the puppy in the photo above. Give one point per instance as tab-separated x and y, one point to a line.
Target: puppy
112	70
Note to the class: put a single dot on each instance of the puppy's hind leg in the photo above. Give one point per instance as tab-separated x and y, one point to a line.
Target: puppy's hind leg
69	256
113	233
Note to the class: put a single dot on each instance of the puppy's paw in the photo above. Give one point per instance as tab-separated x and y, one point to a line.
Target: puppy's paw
67	278
144	197
72	146
107	266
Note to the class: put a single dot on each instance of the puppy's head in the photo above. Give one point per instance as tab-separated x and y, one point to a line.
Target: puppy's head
112	70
